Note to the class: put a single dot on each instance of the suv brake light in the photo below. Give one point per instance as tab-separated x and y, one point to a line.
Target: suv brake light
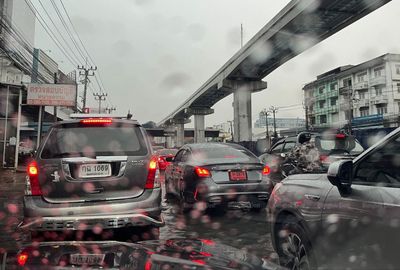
33	174
96	121
153	176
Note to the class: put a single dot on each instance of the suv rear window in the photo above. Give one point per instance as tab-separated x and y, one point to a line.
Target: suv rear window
224	154
348	145
77	141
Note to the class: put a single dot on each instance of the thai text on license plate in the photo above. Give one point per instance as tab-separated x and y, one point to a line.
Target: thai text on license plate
94	170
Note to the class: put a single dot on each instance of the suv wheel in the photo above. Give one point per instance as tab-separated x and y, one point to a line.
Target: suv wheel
293	246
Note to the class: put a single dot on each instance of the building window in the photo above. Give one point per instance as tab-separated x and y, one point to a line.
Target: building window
398	104
364	111
312	120
398	87
322	119
322	104
335	117
333	101
361	95
397	69
361	77
347	82
378	71
333	86
321	90
378	91
381	109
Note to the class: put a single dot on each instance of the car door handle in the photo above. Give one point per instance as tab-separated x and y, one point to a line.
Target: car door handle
314	198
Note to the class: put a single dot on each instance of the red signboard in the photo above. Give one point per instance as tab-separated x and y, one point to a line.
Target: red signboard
52	95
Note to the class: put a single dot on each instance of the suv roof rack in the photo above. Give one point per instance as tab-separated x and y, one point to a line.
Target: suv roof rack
97	115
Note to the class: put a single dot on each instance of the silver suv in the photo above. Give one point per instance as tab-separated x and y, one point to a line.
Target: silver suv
93	172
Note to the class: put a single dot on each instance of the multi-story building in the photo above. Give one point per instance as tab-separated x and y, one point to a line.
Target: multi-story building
281	123
367	94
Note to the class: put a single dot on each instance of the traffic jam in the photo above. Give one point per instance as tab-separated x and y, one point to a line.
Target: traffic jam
203	134
98	202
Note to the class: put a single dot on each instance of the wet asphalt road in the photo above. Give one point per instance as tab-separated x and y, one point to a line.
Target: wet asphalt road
237	228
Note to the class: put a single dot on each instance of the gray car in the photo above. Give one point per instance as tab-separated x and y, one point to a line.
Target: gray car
219	174
348	218
93	173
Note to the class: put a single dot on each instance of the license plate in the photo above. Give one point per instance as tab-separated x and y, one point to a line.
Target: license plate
87	259
94	170
238	175
239	205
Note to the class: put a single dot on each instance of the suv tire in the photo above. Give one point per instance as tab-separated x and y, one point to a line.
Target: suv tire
293	246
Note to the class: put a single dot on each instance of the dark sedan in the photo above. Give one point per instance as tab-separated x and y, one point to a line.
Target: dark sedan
218	174
348	218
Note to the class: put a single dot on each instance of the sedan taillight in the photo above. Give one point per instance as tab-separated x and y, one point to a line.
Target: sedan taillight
202	172
153	175
33	174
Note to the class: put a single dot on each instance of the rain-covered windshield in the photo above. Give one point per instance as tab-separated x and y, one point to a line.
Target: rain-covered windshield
199	134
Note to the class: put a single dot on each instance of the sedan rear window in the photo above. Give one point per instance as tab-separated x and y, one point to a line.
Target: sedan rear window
224	154
87	142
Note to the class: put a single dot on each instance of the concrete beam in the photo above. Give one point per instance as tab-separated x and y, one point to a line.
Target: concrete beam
242	120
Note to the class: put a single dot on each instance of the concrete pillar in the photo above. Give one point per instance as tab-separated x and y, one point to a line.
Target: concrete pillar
169	142
180	134
242	115
199	123
199	129
242	120
179	124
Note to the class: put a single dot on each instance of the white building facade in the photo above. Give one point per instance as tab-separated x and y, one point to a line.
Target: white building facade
367	94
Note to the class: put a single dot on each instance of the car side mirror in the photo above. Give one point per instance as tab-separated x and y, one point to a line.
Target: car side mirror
169	159
340	174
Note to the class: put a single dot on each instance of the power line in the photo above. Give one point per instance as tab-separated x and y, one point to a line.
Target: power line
15	33
50	32
76	32
67	29
99	80
58	31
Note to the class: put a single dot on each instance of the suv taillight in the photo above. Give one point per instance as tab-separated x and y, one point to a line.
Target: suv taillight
153	176
33	174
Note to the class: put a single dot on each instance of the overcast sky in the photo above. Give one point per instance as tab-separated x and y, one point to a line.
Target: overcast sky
153	54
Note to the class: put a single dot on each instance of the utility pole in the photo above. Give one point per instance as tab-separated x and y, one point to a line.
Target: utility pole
109	110
86	72
306	108
55	107
266	113
100	97
274	110
231	123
